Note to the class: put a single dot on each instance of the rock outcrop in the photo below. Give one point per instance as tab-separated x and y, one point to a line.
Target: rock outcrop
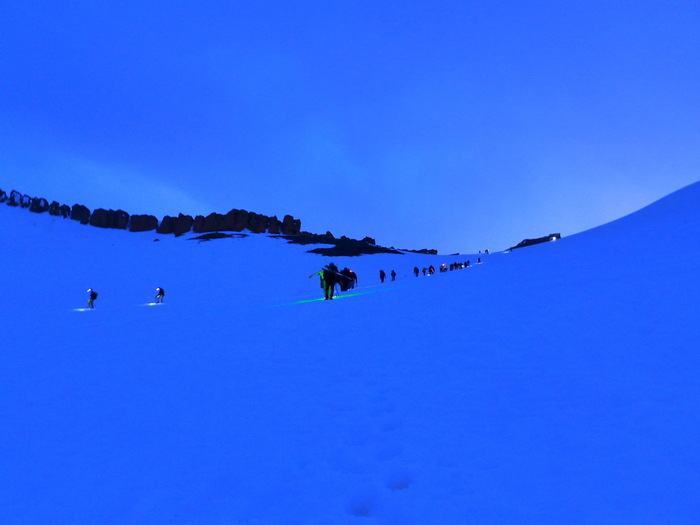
239	220
177	225
55	208
80	213
14	198
234	221
39	205
538	240
182	224
290	226
102	218
143	223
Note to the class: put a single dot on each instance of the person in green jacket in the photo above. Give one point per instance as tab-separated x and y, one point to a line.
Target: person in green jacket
329	277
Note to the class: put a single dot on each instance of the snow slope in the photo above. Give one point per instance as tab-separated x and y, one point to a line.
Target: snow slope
554	384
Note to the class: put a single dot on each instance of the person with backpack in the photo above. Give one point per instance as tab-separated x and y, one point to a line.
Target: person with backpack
347	279
329	277
353	278
91	298
160	293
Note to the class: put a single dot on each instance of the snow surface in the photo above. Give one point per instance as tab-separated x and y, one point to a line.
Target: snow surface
554	384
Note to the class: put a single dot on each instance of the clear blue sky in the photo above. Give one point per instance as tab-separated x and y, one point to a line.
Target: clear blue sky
454	125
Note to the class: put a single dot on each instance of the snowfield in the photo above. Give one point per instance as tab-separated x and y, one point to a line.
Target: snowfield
554	384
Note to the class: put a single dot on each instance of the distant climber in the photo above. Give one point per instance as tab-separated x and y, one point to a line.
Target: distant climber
353	277
91	298
416	271
160	293
348	279
382	275
393	275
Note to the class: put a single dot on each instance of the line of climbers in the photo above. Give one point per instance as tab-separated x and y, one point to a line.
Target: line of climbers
330	276
430	270
347	279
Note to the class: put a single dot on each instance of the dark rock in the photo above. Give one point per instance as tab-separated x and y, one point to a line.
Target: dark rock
100	217
252	224
182	224
120	220
530	242
426	251
25	201
274	225
290	225
211	222
218	235
3	196
110	219
80	213
197	224
143	223
257	223
15	198
240	222
65	211
55	208
228	222
345	247
166	225
39	205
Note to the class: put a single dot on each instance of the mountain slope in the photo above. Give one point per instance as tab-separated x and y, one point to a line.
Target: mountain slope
552	384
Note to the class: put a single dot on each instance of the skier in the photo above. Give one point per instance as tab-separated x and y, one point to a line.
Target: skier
160	293
91	298
382	275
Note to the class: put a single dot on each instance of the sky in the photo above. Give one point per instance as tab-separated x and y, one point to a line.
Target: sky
451	125
532	389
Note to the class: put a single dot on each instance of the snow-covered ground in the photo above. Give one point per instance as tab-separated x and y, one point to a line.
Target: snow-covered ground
554	384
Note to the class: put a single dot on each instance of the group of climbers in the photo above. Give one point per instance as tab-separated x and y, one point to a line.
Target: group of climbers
330	276
92	295
347	279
